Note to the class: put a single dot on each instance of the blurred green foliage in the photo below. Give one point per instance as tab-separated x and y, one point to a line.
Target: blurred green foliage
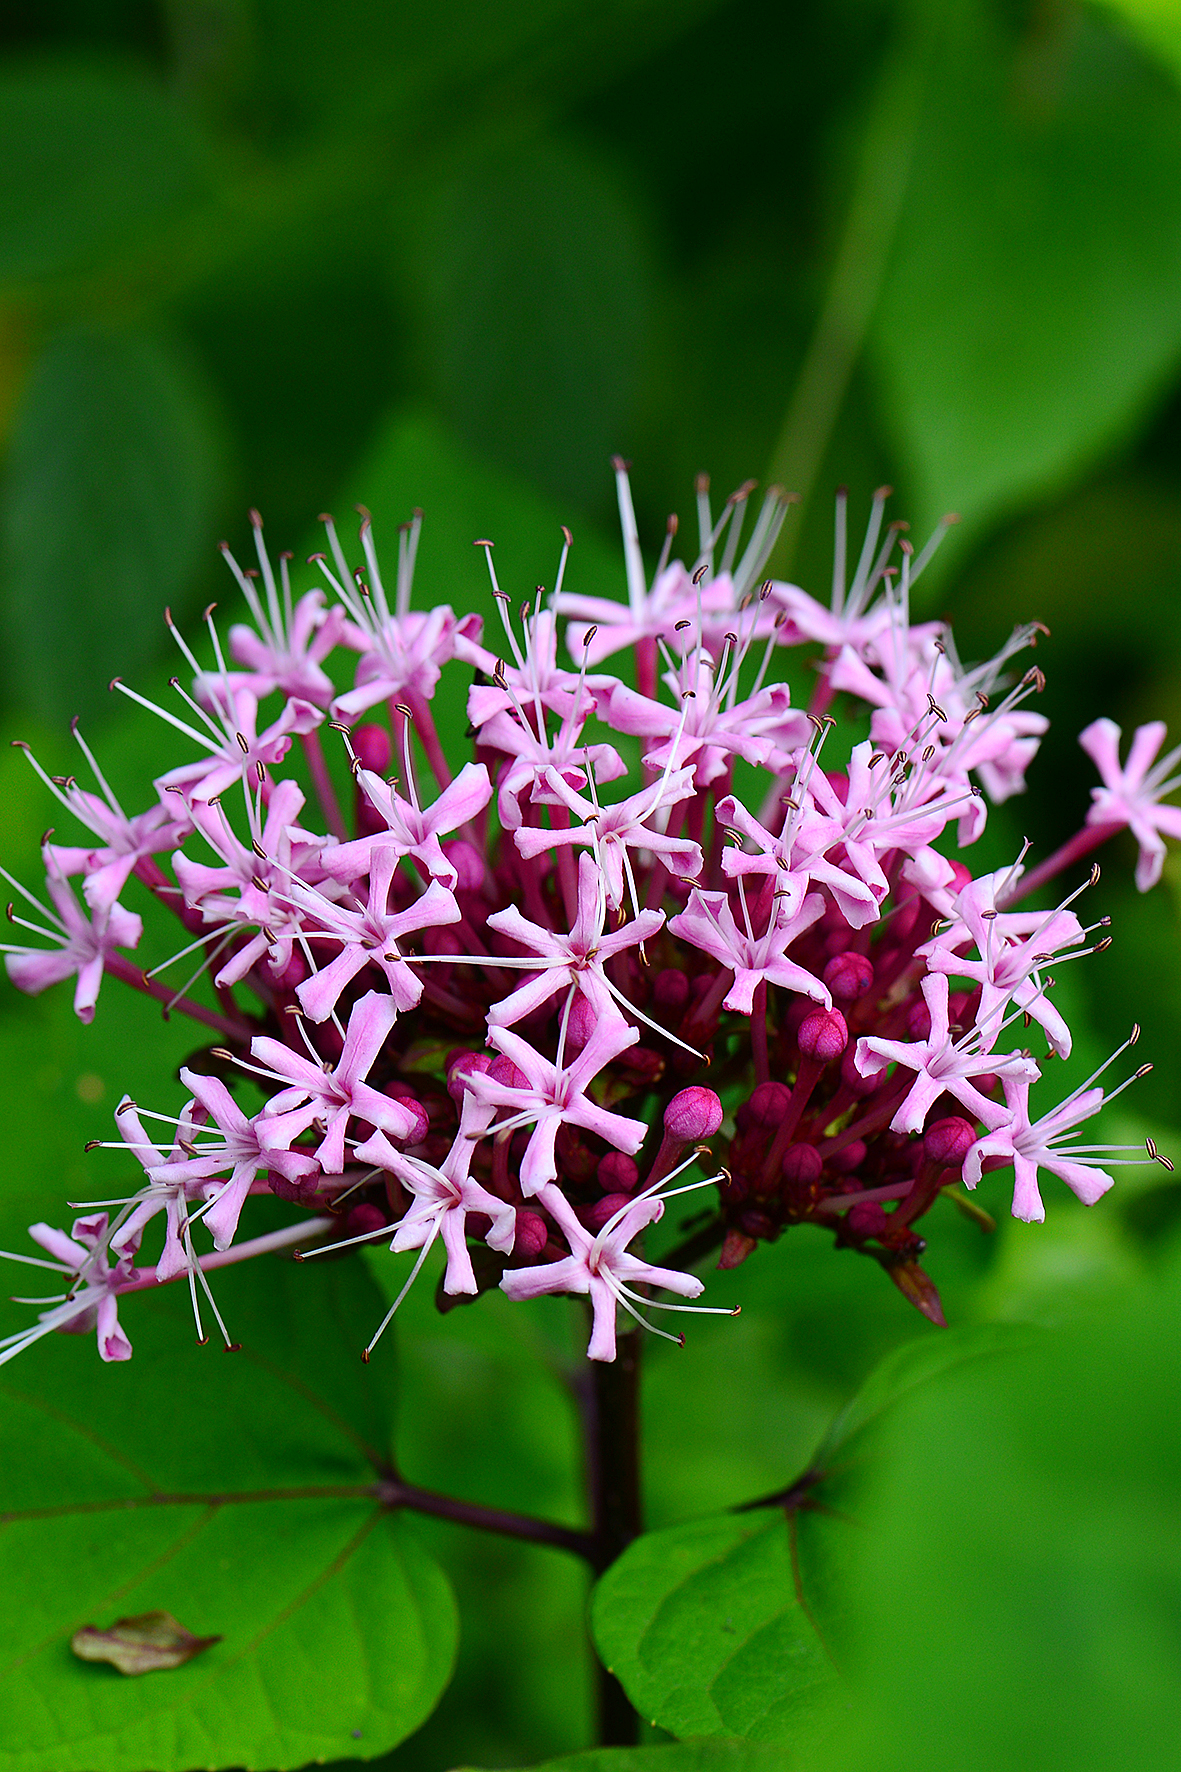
295	255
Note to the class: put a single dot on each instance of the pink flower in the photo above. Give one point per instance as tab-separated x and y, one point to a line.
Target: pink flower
577	959
553	1095
601	1267
84	944
93	1286
943	1065
708	923
1130	795
443	1197
329	1096
612	830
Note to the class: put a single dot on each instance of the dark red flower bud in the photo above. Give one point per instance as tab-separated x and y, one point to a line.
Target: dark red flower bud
468	863
948	1141
463	1064
768	1104
670	993
867	1220
372	746
801	1165
850	1159
693	1114
595	1217
363	1218
823	1035
617	1173
848	976
531	1235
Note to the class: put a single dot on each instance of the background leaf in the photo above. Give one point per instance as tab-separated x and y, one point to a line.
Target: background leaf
1029	314
94	157
533	280
107	514
233	1491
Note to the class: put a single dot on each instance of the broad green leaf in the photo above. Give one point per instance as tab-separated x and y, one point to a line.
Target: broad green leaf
680	1756
533	275
1029	313
93	157
107	514
703	1627
723	1625
236	1492
1022	1553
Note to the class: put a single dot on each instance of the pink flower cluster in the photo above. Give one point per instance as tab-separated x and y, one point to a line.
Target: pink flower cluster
503	1007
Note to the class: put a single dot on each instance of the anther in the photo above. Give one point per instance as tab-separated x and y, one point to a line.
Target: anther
700	574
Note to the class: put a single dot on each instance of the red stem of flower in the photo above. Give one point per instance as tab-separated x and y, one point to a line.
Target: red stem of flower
313	750
117	967
1082	843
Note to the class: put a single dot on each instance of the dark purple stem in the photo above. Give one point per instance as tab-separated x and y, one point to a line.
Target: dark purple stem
392	1492
610	1400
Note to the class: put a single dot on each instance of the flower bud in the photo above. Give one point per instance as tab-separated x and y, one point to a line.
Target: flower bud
948	1141
850	1159
692	1114
364	1218
372	747
802	1165
595	1217
848	976
617	1173
401	1094
867	1220
580	1025
768	1104
823	1035
918	1021
461	1064
531	1234
468	863
670	992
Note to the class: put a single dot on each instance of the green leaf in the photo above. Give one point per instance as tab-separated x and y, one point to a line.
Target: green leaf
1021	1574
1029	316
107	514
1155	23
234	1491
680	1756
704	1628
533	274
722	1626
93	157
